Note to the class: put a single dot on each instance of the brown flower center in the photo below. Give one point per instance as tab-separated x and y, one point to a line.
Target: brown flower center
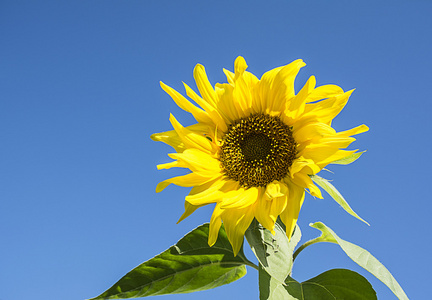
257	150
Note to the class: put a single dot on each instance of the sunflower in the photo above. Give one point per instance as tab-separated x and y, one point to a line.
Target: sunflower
255	146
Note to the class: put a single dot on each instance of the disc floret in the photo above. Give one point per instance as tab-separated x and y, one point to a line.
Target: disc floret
257	150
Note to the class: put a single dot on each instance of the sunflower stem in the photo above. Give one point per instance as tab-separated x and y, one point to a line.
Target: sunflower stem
308	243
247	262
251	264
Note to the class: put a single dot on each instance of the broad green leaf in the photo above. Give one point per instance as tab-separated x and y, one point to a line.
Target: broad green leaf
363	258
188	266
270	288
333	284
274	252
330	285
334	193
349	159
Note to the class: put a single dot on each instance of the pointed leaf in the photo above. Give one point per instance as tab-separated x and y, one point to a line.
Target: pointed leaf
363	258
189	266
330	285
334	193
274	252
349	159
272	289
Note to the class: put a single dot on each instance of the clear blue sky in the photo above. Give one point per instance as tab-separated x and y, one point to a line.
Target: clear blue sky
80	96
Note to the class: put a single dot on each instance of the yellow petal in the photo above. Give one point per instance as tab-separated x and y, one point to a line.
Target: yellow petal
311	131
276	189
340	154
240	198
174	164
263	210
204	86
189	209
242	97
326	110
283	86
239	67
236	222
204	187
296	106
356	130
323	92
230	76
305	181
267	210
209	108
304	165
295	200
172	138
238	96
318	153
226	102
192	139
219	189
187	180
183	103
288	74
199	162
264	91
278	205
242	84
337	142
250	79
215	224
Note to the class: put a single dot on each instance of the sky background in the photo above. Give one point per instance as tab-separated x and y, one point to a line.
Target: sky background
80	97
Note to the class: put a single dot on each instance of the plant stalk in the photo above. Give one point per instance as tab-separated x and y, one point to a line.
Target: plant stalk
308	243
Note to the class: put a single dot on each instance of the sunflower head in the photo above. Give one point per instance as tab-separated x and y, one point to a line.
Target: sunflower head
255	145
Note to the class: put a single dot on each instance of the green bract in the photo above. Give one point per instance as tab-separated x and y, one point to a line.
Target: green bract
334	193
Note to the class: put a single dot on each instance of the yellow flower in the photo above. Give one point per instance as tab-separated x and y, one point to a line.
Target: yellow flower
254	146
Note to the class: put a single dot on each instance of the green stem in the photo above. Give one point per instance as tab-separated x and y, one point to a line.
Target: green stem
308	243
251	264
247	262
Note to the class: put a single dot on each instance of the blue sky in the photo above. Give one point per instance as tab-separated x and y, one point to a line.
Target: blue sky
80	97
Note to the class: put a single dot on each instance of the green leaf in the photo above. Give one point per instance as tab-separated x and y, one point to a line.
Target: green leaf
363	258
270	288
349	159
274	252
189	266
330	285
334	193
